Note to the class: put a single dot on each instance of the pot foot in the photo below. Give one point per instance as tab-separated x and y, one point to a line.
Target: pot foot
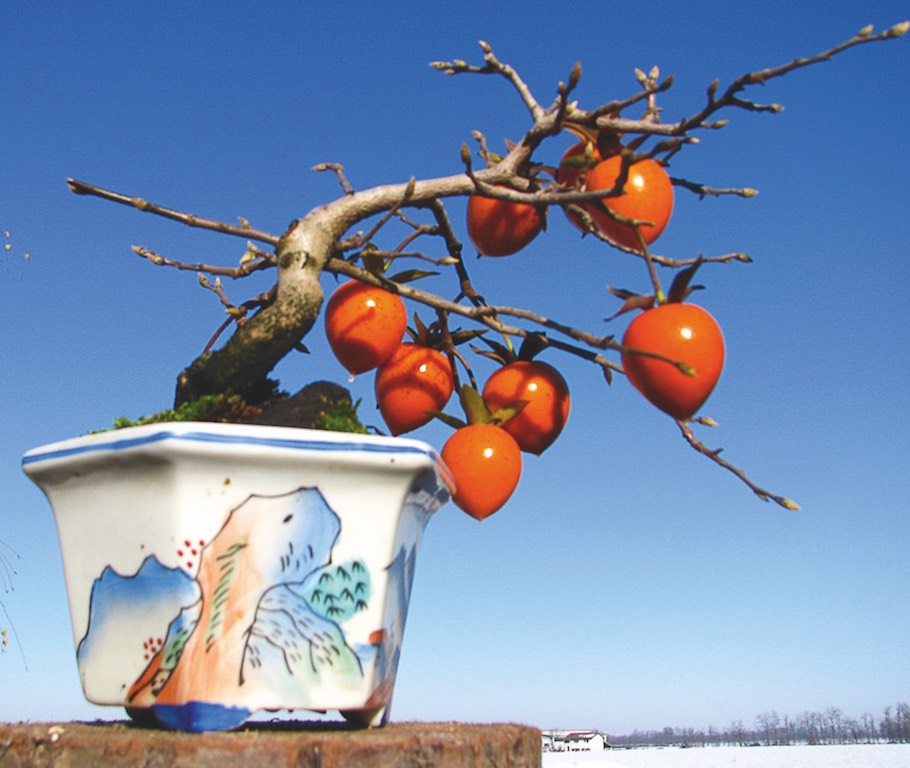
200	716
374	717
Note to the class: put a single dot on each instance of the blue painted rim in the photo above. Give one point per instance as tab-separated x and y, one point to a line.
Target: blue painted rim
286	443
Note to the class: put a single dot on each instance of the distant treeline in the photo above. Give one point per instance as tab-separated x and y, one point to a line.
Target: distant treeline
831	726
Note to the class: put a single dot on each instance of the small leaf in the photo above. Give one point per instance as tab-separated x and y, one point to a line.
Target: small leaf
501	415
372	261
460	337
422	332
621	293
445	418
500	352
410	275
475	409
490	355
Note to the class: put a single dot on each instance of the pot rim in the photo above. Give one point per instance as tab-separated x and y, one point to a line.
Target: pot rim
215	433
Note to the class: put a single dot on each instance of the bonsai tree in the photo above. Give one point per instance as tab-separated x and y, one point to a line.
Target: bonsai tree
612	184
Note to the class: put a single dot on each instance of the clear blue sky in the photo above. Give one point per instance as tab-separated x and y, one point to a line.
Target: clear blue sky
629	583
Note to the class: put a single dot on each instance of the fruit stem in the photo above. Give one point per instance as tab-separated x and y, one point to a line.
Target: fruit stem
661	297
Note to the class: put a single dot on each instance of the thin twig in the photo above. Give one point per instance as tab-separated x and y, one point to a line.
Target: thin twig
338	170
191	220
714	455
703	191
243	270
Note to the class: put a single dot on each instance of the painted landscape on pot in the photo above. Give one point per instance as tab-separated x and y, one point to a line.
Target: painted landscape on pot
261	607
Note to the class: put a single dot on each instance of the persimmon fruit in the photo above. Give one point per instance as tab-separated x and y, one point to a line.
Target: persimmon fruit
364	325
571	167
545	394
414	380
500	227
683	333
647	196
485	462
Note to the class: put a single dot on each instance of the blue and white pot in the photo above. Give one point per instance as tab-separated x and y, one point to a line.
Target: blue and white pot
214	570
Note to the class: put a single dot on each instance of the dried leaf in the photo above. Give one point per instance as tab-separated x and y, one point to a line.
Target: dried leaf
680	288
533	344
632	301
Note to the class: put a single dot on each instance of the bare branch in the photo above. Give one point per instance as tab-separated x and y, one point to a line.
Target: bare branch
338	169
730	98
81	188
243	270
703	191
714	455
318	241
386	217
489	315
493	66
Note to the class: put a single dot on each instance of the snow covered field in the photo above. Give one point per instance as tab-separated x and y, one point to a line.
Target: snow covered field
840	756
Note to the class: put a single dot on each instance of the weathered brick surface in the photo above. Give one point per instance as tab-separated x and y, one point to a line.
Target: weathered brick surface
302	745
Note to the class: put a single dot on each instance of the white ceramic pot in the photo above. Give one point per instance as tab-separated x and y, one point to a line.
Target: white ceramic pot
217	569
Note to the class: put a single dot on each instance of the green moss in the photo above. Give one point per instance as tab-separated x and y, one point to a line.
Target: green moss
338	415
223	408
343	418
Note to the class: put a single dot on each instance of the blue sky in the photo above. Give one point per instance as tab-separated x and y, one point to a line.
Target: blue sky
629	583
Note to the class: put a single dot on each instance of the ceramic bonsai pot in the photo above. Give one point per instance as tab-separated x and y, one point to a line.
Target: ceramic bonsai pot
214	570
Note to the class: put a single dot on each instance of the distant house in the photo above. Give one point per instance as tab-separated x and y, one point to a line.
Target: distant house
573	741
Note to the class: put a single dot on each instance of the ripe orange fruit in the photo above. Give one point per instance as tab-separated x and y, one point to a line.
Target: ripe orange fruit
414	380
681	332
364	325
546	393
501	228
570	170
647	196
485	462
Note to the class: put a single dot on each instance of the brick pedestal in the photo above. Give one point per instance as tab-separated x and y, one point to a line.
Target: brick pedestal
302	745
